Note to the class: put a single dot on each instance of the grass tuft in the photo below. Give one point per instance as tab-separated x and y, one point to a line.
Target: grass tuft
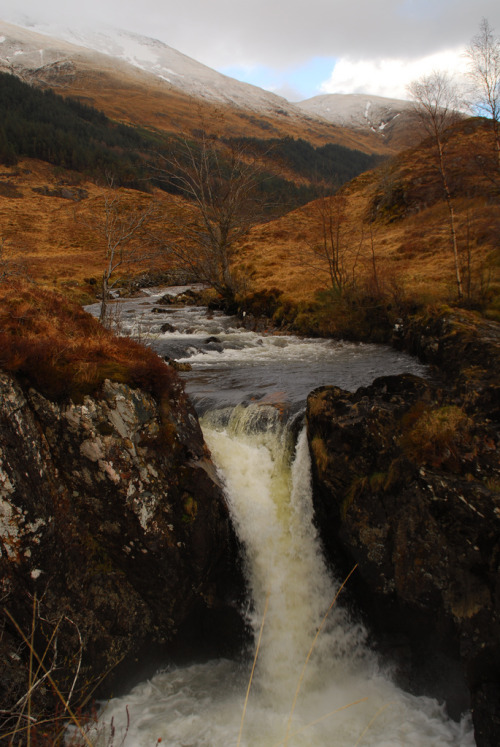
65	353
437	437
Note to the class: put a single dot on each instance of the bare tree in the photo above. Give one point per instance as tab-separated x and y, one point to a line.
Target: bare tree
331	212
219	181
121	227
437	104
334	254
483	54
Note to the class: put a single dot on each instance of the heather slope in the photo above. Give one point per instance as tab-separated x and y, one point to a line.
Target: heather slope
390	232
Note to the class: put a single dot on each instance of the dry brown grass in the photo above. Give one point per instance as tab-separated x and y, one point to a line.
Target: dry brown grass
411	241
64	352
52	237
438	436
395	210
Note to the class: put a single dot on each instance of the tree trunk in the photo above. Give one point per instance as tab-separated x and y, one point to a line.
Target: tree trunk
451	212
104	299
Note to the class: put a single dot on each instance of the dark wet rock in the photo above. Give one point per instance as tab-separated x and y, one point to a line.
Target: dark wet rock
114	532
178	366
213	344
188	297
407	485
166	327
75	193
466	349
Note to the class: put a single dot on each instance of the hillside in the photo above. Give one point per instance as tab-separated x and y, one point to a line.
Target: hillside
393	237
60	157
177	97
382	243
387	233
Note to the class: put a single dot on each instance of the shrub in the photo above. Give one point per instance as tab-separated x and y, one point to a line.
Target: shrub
64	352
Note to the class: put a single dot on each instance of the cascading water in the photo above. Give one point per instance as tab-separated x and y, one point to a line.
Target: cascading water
315	680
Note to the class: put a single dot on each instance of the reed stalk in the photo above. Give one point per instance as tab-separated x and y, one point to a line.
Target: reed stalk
306	662
253	668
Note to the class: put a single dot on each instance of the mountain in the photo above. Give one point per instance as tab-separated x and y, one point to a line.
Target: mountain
143	81
385	117
24	49
356	110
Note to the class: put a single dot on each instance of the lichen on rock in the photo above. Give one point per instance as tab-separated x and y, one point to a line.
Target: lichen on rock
93	536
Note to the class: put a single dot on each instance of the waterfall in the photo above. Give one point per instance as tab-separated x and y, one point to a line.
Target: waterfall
316	683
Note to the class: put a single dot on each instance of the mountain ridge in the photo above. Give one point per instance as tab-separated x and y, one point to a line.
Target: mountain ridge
146	54
141	62
387	117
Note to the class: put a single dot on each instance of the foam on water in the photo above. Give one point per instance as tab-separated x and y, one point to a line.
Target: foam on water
342	697
309	689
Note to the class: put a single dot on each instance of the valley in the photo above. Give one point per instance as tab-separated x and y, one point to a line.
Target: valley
242	251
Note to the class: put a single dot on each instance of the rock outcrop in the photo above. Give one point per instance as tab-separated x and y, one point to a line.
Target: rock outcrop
407	485
116	548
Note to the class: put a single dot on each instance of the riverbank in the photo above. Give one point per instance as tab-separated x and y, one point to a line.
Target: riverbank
407	486
99	440
117	549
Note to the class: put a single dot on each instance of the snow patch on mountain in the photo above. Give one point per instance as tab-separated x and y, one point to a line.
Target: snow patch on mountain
160	60
356	110
35	50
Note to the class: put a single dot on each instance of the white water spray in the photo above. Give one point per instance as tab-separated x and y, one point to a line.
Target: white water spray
341	698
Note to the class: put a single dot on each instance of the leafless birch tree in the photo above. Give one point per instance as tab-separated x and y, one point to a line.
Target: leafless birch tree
336	253
483	54
121	228
437	104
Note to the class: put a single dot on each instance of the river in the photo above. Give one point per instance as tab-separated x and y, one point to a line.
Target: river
311	680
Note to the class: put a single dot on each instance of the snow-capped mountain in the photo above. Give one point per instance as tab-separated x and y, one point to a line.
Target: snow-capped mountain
23	47
66	59
356	110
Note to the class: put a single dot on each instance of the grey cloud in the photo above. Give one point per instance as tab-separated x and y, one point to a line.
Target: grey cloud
268	32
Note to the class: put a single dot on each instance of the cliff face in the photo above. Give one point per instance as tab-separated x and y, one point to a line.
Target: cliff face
116	549
407	485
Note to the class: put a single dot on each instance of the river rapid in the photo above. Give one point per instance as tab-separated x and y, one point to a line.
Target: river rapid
311	679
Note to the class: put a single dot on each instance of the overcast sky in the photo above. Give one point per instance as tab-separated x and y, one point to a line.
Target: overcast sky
297	48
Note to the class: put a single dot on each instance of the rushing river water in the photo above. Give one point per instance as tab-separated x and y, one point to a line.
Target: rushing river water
315	682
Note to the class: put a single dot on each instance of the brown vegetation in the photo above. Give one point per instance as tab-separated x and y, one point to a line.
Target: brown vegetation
394	239
438	437
395	231
52	237
64	352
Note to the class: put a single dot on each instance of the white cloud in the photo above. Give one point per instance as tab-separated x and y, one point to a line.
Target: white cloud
389	76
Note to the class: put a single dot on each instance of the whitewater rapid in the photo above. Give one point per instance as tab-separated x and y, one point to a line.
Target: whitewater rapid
309	688
310	679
